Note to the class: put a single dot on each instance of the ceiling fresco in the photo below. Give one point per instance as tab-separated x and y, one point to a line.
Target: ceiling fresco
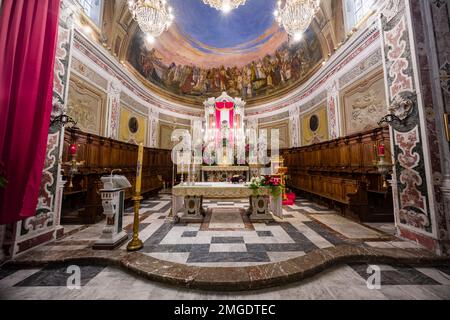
206	52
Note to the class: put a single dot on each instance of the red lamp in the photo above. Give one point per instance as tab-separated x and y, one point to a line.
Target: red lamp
73	149
381	150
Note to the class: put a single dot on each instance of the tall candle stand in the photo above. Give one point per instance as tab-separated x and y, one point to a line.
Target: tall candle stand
136	244
182	173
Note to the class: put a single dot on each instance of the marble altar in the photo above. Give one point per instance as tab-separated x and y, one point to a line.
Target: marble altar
187	200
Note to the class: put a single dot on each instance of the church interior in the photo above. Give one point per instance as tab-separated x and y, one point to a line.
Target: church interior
224	149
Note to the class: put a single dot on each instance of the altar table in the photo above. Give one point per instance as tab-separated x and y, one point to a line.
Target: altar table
190	199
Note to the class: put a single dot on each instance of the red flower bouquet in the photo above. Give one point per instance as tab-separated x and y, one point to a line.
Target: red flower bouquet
274	183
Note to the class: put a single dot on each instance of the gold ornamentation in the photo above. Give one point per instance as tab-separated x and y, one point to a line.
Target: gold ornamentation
447	125
136	244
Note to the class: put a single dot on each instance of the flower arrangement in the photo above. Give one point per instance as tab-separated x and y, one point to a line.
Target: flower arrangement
274	183
3	181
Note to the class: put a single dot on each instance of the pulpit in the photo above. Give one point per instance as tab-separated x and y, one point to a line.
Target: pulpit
113	195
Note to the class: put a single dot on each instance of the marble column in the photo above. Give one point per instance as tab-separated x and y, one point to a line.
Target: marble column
411	66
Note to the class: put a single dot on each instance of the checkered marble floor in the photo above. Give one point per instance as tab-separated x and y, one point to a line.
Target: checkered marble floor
107	282
228	238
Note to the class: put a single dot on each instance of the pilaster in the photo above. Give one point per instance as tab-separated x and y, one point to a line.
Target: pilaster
416	143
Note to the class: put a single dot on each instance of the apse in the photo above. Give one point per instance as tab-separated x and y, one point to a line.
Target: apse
207	52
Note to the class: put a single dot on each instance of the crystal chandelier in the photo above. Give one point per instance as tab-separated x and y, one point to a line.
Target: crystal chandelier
152	16
296	16
224	5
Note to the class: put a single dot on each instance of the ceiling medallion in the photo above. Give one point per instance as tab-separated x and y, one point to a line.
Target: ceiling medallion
153	16
225	5
296	16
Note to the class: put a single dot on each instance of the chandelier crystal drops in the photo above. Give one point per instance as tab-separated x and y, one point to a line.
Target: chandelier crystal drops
224	5
153	16
296	16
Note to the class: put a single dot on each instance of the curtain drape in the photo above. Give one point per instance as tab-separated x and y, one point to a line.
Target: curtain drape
28	36
220	106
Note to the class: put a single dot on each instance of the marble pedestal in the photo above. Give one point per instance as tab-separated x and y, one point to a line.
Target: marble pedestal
193	211
110	240
259	209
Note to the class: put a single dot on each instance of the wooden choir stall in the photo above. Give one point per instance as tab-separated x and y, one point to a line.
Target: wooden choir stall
343	174
88	157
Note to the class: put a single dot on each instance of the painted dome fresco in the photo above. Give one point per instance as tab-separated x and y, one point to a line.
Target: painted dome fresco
206	52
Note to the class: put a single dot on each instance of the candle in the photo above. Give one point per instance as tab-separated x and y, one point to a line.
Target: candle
381	150
139	169
73	149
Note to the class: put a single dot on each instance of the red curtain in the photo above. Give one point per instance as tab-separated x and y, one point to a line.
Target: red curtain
219	107
28	36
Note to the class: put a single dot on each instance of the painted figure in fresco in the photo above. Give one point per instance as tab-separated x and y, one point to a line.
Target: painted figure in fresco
217	79
170	74
222	79
240	83
178	74
276	72
259	71
147	61
200	86
188	80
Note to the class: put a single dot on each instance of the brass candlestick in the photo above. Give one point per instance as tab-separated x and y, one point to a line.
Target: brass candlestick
282	172
384	169
136	244
73	165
